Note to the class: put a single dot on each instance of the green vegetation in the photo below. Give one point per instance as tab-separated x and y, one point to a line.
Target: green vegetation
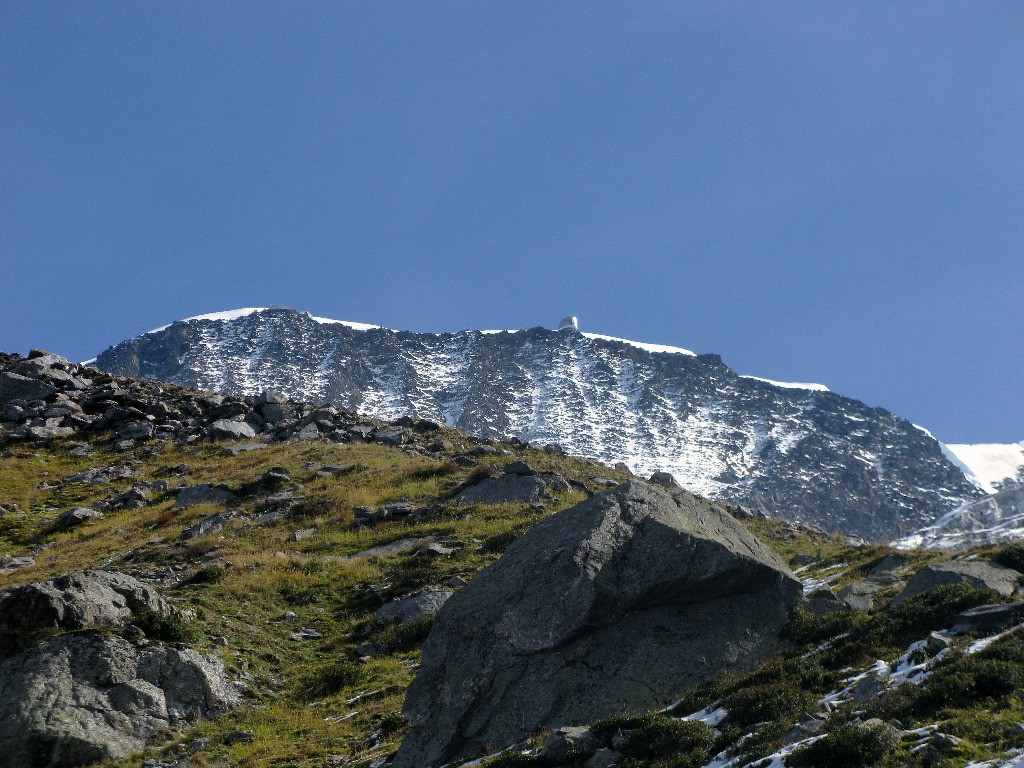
251	587
849	746
170	629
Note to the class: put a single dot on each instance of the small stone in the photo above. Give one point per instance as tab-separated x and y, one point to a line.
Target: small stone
275	475
945	741
76	516
202	494
308	432
867	688
231	430
406	610
604	758
562	743
306	633
207	525
519	468
302	534
236	737
268	396
433	550
235	450
665	479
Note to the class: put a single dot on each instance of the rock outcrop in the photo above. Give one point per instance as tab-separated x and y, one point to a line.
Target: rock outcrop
614	605
79	699
74	601
508	488
978	573
76	699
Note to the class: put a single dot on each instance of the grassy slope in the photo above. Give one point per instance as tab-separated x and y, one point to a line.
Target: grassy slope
298	702
318	703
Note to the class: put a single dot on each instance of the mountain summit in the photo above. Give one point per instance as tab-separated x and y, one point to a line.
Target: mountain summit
795	451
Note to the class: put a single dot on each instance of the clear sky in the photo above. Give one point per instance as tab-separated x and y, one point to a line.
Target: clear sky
821	192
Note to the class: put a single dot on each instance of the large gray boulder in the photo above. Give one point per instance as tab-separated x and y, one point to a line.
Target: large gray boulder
16	387
978	573
615	605
228	429
506	489
79	699
74	601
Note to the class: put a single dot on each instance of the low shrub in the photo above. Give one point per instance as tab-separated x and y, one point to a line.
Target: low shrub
427	471
170	629
400	638
848	746
323	506
1012	556
658	741
918	615
391	722
768	701
514	759
208	574
500	541
970	679
807	674
805	627
331	679
893	704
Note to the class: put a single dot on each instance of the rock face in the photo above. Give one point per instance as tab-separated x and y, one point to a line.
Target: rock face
799	453
978	573
614	605
71	602
78	699
993	520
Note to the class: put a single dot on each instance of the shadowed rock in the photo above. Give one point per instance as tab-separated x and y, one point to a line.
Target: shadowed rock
203	494
72	602
79	699
617	604
505	489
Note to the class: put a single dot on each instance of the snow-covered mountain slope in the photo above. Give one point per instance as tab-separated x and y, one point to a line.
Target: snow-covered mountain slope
797	451
990	465
992	520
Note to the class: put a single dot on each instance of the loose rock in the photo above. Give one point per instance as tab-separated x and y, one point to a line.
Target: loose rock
406	610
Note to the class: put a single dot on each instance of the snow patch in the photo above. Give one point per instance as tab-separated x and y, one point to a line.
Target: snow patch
230	314
346	323
790	384
656	348
234	314
987	464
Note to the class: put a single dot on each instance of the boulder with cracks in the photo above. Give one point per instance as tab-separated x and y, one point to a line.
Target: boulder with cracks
617	604
79	699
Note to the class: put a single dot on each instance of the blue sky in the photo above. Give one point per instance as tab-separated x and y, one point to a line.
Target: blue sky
818	192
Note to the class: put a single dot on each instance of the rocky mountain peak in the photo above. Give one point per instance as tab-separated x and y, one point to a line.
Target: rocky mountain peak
795	451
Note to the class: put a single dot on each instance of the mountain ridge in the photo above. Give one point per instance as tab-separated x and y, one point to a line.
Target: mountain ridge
805	454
